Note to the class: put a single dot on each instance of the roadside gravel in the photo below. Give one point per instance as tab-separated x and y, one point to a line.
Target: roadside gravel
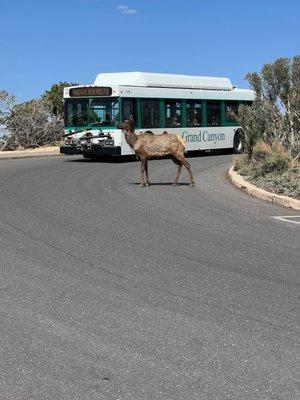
39	152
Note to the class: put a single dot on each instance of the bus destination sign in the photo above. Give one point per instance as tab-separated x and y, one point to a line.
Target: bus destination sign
91	91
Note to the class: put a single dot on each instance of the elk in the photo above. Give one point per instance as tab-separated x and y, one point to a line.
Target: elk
148	146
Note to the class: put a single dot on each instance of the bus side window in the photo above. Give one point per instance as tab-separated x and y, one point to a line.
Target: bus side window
193	113
150	113
172	113
213	113
129	108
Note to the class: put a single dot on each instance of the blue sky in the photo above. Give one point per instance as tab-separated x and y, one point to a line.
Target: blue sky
44	42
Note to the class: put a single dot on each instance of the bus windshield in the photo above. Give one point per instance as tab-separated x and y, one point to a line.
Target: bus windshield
104	112
76	112
95	112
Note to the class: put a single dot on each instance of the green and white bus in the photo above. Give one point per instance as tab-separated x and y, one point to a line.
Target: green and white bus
199	109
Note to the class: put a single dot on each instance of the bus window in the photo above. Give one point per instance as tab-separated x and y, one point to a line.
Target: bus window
172	113
150	113
129	108
213	110
231	110
76	113
104	112
193	113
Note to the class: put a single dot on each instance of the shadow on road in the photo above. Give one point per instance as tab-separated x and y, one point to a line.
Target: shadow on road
105	159
160	184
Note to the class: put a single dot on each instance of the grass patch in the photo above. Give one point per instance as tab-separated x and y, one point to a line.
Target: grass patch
272	168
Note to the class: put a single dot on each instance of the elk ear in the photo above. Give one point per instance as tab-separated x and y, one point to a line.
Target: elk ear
131	121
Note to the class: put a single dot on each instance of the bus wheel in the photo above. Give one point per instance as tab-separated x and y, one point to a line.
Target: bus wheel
239	143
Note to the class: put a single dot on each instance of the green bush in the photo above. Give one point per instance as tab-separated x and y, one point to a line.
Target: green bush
277	162
268	158
287	183
261	150
272	168
242	165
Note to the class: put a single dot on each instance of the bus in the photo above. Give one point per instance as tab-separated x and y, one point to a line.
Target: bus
200	109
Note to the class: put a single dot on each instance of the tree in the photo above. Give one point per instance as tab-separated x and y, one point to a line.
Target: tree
54	97
275	112
7	102
33	123
28	125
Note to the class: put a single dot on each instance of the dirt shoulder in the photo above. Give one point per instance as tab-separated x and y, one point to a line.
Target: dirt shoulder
39	152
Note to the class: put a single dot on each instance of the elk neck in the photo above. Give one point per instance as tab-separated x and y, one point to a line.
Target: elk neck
131	138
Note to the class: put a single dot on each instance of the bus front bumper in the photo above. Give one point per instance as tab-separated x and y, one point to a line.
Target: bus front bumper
70	150
98	150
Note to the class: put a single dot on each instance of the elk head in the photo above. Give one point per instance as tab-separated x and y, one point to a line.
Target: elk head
127	125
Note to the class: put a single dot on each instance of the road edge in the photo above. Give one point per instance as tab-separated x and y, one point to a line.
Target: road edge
238	181
8	155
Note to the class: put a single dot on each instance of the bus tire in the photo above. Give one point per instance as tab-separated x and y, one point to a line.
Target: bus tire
239	143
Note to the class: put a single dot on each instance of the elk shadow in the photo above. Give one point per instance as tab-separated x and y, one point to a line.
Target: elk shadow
160	184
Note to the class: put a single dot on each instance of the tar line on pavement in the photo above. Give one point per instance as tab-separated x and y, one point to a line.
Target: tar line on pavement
294	219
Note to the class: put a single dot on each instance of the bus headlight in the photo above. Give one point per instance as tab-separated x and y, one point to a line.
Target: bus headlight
109	142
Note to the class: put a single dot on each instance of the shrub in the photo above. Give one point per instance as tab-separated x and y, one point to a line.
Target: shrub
287	183
261	151
33	123
269	158
30	125
271	168
242	165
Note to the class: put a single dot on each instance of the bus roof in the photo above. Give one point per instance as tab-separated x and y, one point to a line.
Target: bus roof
152	85
153	80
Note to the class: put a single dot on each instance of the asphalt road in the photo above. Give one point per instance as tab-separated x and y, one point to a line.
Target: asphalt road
109	291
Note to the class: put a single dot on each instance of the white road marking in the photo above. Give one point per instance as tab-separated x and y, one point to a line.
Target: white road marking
286	218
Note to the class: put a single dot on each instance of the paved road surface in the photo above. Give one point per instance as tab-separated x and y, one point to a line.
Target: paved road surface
109	291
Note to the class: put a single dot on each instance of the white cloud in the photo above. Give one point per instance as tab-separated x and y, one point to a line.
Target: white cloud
130	12
125	10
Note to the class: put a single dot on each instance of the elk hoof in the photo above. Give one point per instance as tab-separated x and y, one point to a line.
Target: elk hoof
142	185
147	184
192	184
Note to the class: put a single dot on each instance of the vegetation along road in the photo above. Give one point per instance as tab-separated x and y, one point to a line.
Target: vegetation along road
109	291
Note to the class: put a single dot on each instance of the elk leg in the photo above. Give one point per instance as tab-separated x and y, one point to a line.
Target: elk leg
147	176
143	161
179	166
188	167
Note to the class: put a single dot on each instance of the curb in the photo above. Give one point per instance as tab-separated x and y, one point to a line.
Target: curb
238	181
7	155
